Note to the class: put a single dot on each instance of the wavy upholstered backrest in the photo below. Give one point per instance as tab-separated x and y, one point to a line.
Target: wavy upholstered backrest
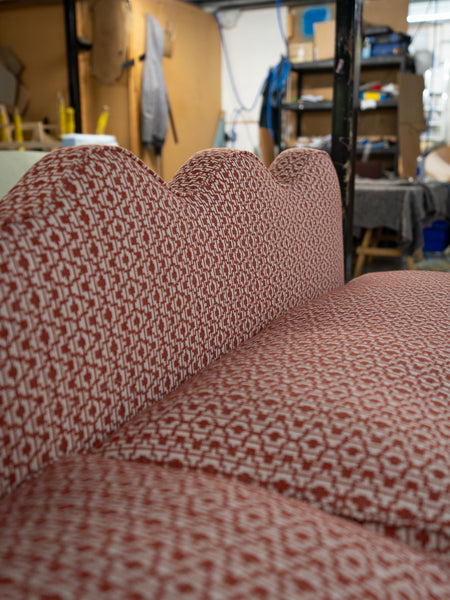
115	286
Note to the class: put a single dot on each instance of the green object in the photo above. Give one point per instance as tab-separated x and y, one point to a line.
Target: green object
14	164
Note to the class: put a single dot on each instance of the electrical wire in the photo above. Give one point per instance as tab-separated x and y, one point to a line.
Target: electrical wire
241	106
280	26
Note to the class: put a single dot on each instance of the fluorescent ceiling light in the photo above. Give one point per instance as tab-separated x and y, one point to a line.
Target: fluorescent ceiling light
429	17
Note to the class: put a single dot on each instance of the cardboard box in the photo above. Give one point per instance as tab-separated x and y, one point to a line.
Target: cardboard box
391	13
409	148
317	124
437	164
383	123
301	20
324	39
301	52
411	121
325	92
410	104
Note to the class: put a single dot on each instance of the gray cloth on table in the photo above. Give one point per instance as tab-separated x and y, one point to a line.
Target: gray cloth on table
154	103
401	206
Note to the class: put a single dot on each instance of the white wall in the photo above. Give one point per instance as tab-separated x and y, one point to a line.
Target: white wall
434	39
254	44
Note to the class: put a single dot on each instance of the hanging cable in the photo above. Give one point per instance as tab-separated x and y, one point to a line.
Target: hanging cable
280	26
241	106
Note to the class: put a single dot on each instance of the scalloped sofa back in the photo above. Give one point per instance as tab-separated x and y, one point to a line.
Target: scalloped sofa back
119	286
187	386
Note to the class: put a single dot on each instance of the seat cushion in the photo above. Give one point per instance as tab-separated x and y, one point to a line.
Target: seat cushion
343	402
92	528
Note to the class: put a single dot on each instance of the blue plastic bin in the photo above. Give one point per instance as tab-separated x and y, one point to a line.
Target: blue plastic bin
437	237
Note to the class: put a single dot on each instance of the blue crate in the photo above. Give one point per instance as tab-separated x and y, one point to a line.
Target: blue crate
437	237
389	44
387	49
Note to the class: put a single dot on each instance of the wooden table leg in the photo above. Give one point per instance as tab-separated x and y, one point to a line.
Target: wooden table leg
360	250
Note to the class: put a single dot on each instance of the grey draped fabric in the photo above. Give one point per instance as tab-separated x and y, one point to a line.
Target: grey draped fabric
401	206
154	103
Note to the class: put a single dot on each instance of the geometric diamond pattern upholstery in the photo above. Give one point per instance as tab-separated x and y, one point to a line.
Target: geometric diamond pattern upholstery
114	286
342	402
95	528
193	405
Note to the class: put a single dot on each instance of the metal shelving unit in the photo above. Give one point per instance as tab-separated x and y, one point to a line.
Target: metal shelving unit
301	106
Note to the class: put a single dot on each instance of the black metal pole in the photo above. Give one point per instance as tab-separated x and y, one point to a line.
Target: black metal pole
347	64
72	60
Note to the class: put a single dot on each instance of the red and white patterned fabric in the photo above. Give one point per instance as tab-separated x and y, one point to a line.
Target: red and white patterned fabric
342	402
95	528
115	286
204	325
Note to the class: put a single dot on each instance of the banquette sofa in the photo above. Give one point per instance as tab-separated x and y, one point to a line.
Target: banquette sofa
193	403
